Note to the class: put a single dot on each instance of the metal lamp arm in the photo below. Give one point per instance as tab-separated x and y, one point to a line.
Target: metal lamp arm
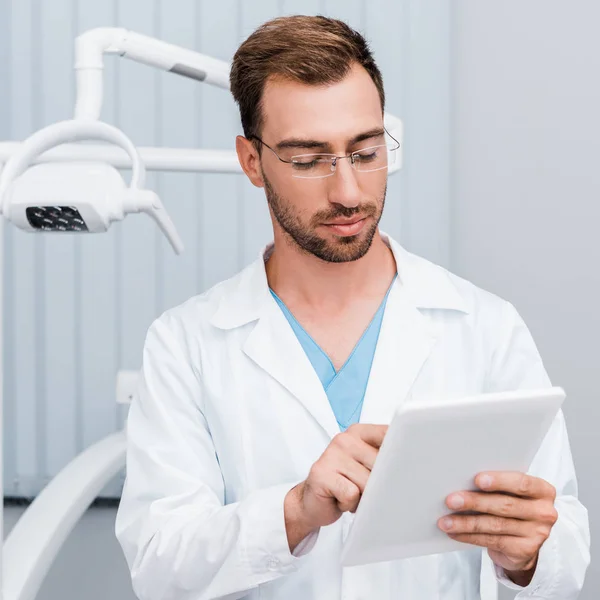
91	46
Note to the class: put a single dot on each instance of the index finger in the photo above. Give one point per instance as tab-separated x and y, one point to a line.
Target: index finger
370	434
514	482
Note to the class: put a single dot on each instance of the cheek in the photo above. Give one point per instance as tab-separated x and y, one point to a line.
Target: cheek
304	198
375	189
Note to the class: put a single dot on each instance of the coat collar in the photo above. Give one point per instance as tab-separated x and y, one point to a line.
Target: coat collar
246	296
406	340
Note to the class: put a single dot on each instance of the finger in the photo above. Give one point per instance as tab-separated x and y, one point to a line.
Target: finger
512	546
512	482
357	473
356	448
370	434
460	524
346	493
499	543
501	505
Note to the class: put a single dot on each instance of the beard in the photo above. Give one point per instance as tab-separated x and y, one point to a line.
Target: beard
304	236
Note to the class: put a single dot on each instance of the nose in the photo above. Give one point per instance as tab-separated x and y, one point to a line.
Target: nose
343	185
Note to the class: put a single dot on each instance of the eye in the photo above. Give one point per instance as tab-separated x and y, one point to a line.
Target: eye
309	161
366	155
303	165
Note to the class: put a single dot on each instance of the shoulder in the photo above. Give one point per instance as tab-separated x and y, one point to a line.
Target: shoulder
459	305
193	318
490	326
434	286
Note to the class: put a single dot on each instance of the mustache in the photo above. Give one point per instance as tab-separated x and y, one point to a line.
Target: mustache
364	210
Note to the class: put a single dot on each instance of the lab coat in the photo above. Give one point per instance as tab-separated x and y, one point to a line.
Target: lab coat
230	415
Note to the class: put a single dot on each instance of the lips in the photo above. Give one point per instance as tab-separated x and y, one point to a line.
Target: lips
346	227
345	222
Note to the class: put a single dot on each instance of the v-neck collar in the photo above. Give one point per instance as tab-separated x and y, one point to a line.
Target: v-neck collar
322	352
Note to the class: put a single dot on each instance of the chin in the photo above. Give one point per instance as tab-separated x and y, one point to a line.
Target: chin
346	249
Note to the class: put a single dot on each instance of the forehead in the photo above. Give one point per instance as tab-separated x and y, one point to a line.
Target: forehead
332	112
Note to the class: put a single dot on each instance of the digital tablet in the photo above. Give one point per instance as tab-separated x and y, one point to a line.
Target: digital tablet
433	448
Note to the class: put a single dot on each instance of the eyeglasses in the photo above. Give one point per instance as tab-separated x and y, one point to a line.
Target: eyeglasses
320	165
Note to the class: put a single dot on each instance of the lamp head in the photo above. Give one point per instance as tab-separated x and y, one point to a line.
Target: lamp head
66	197
76	197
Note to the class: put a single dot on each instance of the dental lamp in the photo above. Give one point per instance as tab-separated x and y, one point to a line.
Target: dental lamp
37	199
87	196
52	183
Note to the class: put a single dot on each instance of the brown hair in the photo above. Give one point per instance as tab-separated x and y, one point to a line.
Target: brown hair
311	50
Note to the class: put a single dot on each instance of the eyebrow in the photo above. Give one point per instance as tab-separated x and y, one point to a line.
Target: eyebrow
305	143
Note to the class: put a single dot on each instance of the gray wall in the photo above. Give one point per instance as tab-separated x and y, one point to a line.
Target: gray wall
526	210
77	307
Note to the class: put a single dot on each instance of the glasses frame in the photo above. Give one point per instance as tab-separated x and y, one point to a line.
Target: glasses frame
334	157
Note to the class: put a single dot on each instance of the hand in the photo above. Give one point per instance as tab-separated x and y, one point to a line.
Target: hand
517	516
335	482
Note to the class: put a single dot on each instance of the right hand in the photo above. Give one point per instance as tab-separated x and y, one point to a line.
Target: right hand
335	482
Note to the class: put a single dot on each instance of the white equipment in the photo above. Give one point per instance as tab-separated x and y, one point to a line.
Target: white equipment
51	183
37	199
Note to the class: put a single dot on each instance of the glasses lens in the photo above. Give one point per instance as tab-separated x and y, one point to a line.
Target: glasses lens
316	166
307	166
374	158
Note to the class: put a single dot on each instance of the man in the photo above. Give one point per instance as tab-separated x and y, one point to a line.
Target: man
263	401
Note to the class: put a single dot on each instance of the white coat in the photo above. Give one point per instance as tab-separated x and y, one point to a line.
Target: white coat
230	415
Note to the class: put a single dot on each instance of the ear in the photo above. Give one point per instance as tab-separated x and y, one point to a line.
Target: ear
249	160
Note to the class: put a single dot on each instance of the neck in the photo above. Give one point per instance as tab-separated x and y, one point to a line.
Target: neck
304	278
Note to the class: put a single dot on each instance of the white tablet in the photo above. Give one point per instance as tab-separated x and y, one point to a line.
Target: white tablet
435	448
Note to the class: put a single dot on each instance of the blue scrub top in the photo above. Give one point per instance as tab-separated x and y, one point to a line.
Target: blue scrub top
345	388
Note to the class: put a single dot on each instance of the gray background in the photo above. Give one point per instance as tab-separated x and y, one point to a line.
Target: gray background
500	107
526	183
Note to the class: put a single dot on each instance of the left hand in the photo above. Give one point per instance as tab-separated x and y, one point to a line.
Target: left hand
517	516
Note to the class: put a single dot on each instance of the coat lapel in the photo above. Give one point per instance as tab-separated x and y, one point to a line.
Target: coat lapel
274	347
408	335
405	342
272	344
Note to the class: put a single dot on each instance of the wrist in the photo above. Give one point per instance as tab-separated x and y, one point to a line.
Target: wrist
522	577
297	524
